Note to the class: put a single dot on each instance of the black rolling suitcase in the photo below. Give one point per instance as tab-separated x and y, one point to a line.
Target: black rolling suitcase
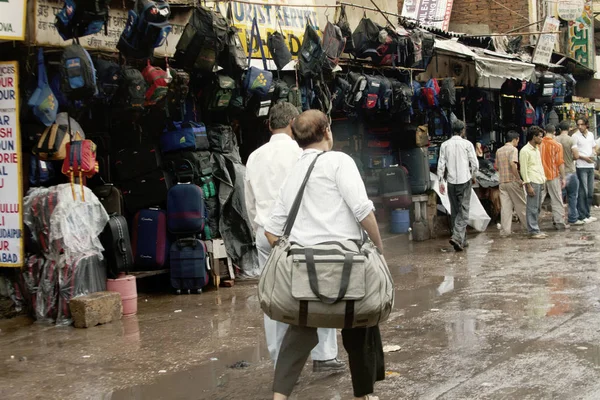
188	266
117	246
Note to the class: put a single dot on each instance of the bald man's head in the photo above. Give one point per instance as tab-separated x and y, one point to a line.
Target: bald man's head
310	127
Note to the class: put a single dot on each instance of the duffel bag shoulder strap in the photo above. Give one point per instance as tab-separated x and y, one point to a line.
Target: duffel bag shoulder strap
296	205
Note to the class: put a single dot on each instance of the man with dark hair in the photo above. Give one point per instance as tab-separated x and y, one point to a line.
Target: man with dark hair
512	194
266	170
459	161
554	169
532	172
586	146
570	154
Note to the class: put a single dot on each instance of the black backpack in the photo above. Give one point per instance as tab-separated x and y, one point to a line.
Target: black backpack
80	18
385	94
233	58
108	79
344	26
78	75
177	93
279	51
311	56
281	92
447	96
402	97
133	89
372	92
356	95
203	39
333	45
147	28
341	89
423	43
366	37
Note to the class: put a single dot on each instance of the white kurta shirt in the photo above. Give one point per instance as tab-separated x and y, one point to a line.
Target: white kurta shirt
266	170
334	201
457	156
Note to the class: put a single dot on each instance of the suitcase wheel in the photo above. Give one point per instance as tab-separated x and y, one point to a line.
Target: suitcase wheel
178	291
199	291
188	291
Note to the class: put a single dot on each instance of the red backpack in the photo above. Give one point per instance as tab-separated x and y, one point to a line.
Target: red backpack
430	93
158	81
529	114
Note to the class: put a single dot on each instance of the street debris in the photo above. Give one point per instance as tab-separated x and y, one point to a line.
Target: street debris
391	348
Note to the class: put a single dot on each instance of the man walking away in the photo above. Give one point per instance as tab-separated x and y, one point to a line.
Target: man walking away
586	146
570	154
266	171
459	161
532	172
512	194
554	170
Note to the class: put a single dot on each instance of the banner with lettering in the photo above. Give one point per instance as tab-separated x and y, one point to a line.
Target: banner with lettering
580	41
13	15
434	13
11	188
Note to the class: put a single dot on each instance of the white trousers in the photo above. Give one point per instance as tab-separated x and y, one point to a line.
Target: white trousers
327	348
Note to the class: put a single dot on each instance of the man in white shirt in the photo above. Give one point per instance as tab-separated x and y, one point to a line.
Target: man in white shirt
586	146
459	161
266	171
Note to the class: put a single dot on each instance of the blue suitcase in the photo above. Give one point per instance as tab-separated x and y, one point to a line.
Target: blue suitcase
149	240
185	209
188	265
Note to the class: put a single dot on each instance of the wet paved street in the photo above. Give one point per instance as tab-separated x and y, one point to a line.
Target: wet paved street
507	319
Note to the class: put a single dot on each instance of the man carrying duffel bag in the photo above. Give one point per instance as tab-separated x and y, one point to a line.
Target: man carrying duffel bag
321	273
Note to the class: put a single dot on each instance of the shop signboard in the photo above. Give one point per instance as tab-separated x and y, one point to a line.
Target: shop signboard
546	42
580	38
570	10
11	185
434	13
12	19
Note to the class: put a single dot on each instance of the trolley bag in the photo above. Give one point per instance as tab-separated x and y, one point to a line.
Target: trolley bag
111	198
417	162
395	187
149	239
328	285
117	246
188	265
185	209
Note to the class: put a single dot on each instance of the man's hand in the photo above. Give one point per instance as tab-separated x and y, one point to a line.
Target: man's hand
442	188
530	191
563	183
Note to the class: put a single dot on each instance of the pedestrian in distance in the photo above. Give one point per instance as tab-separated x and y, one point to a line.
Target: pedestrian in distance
333	205
457	164
532	173
266	171
512	194
554	170
586	147
570	155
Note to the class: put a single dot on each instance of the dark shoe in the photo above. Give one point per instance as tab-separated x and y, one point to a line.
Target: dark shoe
329	365
457	246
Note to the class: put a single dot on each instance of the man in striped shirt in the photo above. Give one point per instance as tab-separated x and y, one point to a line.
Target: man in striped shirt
554	169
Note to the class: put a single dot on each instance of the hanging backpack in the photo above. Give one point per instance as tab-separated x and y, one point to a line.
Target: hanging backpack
366	38
401	96
372	92
233	57
78	75
203	39
40	172
80	162
147	28
257	81
344	26
356	96
430	93
311	56
560	89
177	93
295	97
281	92
322	97
385	94
221	94
80	18
158	83
447	97
333	45
439	123
546	82
108	79
43	102
341	89
423	43
279	51
529	114
133	89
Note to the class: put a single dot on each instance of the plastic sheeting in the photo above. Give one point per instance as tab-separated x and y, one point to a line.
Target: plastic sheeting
234	226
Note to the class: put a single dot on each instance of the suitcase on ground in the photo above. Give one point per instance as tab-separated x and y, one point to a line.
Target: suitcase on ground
111	198
395	188
131	163
185	209
117	246
149	239
416	162
188	266
145	191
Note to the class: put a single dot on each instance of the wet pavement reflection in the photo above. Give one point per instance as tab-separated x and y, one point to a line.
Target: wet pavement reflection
507	319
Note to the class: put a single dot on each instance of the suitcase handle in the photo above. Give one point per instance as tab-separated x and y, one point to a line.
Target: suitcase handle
121	246
190	242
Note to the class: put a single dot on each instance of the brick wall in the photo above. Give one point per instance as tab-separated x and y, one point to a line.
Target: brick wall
486	16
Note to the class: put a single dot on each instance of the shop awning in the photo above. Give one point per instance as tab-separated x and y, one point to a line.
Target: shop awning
495	67
452	46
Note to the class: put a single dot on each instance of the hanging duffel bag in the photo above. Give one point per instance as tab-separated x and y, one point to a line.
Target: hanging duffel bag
330	285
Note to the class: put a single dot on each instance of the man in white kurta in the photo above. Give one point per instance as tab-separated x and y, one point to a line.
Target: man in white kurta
266	171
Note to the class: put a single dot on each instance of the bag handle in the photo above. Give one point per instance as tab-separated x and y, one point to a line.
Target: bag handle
42	74
314	281
296	205
258	42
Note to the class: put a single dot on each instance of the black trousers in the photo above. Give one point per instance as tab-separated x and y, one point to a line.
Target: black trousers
365	354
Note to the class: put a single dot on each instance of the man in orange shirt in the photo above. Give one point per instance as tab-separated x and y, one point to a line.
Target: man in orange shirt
554	169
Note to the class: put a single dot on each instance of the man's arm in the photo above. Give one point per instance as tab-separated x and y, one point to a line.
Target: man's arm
370	225
523	158
250	202
473	162
515	171
441	169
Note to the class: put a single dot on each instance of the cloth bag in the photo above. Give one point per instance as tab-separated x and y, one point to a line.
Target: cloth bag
329	285
43	102
257	81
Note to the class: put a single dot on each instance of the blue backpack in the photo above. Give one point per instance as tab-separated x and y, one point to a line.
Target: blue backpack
147	28
78	75
43	101
80	18
40	172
